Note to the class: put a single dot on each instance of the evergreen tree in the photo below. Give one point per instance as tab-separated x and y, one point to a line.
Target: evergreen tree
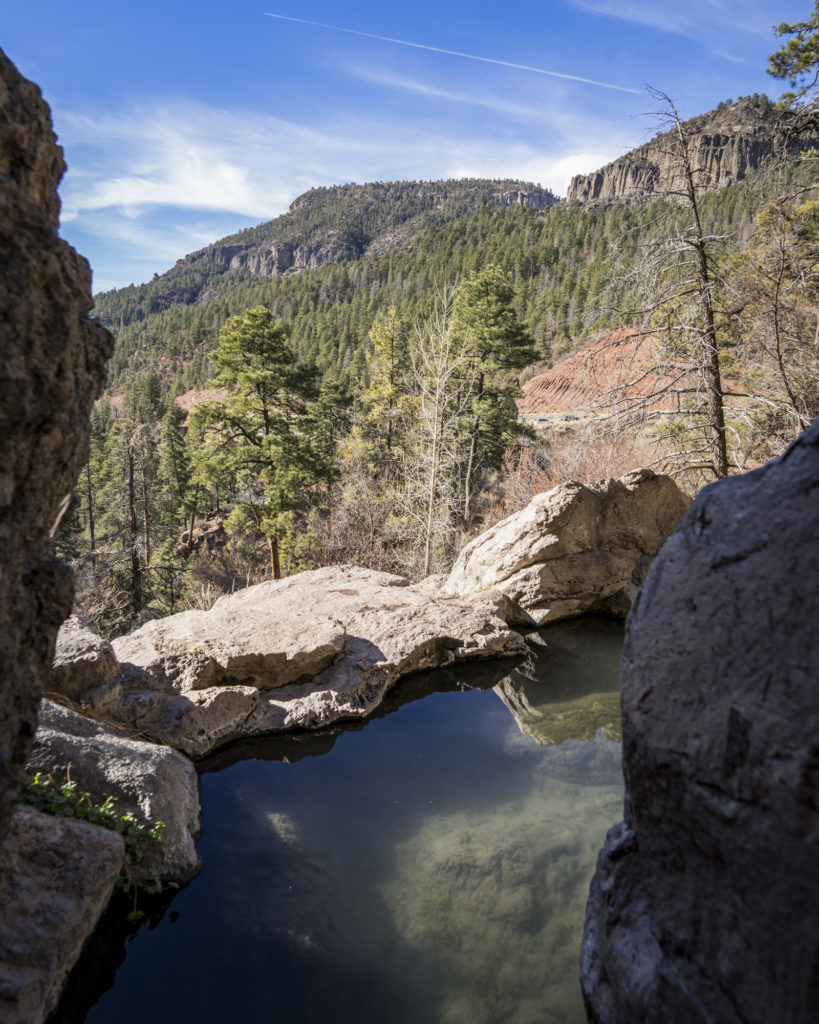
260	434
498	347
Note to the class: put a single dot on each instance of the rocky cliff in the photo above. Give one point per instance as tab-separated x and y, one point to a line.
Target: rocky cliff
706	897
726	146
51	370
346	222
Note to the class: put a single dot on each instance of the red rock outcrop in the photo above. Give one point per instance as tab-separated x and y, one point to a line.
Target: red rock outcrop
614	372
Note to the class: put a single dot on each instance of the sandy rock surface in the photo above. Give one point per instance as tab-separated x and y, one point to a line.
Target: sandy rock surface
574	549
303	652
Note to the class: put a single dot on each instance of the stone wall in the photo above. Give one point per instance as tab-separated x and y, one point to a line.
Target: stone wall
706	897
52	359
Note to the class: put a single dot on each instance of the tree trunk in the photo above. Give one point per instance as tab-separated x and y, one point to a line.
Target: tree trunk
713	383
90	496
133	528
275	567
145	524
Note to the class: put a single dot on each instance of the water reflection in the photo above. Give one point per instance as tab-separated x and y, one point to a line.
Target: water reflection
430	866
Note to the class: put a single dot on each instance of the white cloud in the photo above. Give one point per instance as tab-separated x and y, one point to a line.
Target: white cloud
695	18
154	183
486	101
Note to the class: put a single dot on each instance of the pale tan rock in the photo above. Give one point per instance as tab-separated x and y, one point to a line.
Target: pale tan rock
152	781
302	652
56	878
574	549
235	639
193	722
82	661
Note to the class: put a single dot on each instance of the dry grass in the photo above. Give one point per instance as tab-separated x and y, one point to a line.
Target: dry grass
594	451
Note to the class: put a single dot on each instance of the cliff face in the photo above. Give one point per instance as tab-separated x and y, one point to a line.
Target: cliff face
346	222
726	146
51	369
281	258
706	896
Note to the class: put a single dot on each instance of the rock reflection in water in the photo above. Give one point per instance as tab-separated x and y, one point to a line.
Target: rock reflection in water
429	865
536	691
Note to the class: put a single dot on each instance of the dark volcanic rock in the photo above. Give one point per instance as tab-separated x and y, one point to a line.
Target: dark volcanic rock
52	359
705	901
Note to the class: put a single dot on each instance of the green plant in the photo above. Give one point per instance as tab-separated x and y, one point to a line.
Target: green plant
66	800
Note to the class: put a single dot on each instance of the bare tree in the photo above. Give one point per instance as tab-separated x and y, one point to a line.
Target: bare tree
442	384
670	297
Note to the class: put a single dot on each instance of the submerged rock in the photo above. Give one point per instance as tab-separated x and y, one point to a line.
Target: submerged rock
154	782
574	549
56	878
492	897
705	900
302	652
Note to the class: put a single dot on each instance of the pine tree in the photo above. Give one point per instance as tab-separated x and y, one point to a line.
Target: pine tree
260	434
498	347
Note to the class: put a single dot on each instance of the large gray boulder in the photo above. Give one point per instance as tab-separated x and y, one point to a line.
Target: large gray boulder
56	878
574	549
52	357
85	666
705	901
302	652
151	781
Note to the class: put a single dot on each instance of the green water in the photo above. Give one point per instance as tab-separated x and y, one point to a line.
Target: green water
429	865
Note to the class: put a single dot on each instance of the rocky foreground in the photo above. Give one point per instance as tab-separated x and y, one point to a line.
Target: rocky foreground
706	897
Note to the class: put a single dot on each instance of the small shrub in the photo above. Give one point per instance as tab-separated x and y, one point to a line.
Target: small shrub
65	800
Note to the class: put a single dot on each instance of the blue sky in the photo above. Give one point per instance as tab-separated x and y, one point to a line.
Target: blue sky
183	122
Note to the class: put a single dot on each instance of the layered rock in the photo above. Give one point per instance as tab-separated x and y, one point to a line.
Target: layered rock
51	369
574	549
724	147
56	878
303	652
704	904
151	781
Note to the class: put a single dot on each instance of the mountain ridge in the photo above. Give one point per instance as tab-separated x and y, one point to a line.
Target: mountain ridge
728	144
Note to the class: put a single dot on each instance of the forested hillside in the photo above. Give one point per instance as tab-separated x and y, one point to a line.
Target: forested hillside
358	361
556	259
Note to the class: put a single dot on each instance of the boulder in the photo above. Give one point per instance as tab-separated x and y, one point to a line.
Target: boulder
302	652
56	878
706	897
85	666
154	782
574	549
52	358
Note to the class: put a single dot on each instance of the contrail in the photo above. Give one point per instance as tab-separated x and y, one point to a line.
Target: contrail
455	53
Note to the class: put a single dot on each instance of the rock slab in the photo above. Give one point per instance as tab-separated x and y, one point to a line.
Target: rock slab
56	877
153	782
303	652
706	897
52	358
574	549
